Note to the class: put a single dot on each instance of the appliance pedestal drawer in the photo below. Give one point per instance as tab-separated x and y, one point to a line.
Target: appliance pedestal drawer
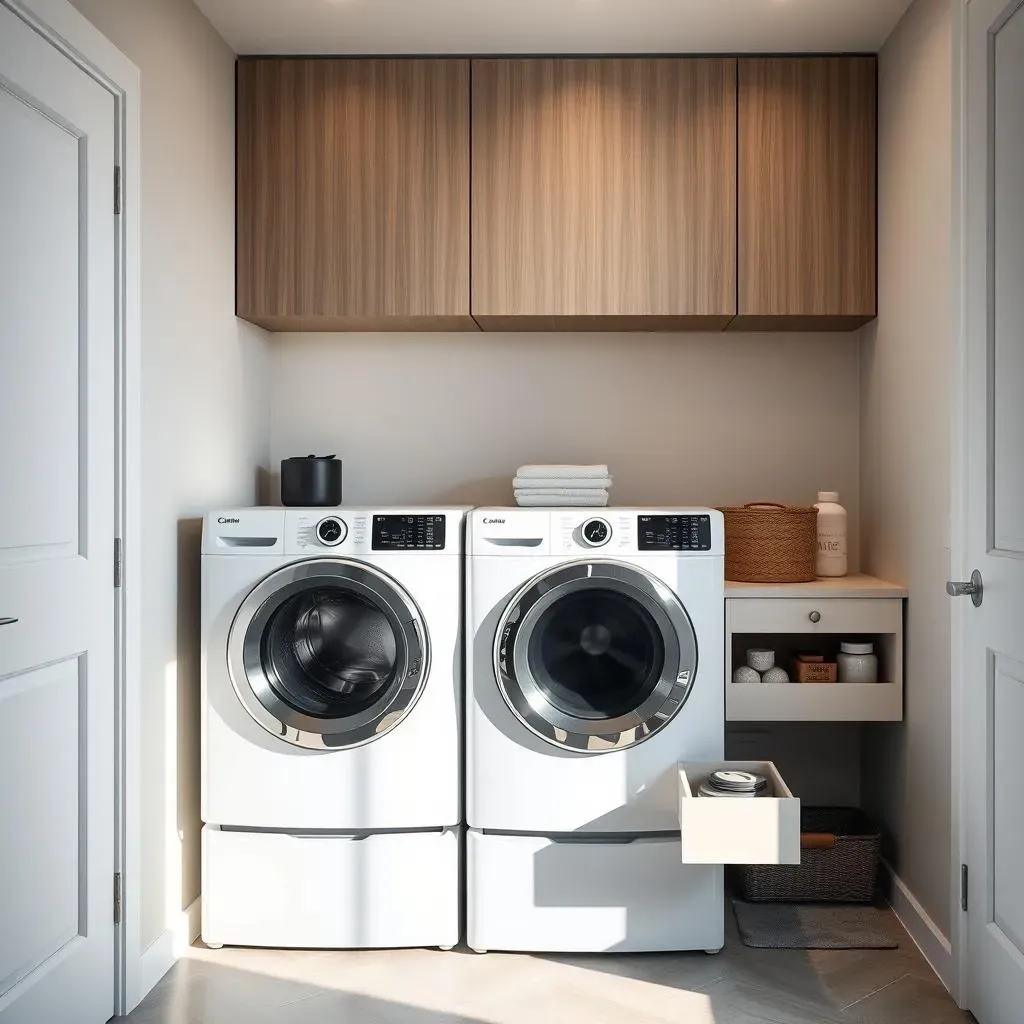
330	891
737	830
589	893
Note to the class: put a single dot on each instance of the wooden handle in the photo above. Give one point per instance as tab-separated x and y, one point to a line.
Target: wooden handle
763	504
817	840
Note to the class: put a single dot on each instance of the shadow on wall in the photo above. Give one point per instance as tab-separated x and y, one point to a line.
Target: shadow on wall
494	490
268	486
190	532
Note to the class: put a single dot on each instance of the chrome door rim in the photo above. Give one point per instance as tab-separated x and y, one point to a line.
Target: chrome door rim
531	706
253	687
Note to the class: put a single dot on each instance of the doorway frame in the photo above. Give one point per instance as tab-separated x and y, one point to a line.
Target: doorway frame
958	503
58	22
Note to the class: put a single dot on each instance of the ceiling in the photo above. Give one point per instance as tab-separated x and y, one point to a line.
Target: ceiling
553	26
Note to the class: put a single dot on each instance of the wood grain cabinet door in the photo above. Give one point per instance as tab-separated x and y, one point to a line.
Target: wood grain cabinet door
604	193
353	194
807	137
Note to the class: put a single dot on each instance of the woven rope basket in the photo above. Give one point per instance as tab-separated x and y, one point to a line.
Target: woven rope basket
843	869
769	543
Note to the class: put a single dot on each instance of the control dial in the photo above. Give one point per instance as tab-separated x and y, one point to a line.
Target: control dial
331	531
596	532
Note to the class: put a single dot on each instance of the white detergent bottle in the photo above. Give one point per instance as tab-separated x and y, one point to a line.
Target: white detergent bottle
831	534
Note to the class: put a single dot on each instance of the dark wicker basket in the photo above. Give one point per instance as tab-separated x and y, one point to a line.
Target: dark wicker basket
841	872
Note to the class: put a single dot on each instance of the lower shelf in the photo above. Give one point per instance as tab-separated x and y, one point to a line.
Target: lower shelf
813	702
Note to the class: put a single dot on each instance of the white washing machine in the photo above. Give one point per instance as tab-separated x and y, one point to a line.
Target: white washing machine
595	660
331	697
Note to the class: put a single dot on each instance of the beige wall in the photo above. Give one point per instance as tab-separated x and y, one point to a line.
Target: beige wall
905	449
702	418
204	380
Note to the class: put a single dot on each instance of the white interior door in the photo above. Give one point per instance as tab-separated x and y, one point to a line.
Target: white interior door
57	507
994	632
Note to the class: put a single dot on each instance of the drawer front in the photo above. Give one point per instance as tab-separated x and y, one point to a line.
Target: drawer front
800	615
532	893
736	830
334	892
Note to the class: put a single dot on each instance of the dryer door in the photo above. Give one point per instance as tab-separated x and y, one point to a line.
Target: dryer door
328	653
595	656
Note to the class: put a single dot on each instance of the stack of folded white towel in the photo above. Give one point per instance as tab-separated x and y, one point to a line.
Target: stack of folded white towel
562	485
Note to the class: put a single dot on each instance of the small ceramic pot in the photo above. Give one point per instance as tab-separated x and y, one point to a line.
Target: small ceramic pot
745	674
760	660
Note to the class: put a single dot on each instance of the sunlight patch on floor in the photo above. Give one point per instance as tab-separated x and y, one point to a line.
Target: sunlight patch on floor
474	985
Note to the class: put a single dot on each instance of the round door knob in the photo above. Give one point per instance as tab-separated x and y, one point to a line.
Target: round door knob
815	616
973	588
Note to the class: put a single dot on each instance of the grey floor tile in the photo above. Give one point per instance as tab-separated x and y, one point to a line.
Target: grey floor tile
423	986
741	1002
342	1008
203	991
910	999
691	971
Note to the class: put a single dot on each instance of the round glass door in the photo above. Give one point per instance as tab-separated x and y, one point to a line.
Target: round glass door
327	654
595	656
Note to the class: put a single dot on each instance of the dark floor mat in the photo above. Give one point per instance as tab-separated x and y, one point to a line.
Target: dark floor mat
813	926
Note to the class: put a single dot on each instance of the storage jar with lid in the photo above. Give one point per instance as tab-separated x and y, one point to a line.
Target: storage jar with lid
857	663
831	526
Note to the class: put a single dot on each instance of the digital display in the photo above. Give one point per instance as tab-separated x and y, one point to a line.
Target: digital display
674	533
408	533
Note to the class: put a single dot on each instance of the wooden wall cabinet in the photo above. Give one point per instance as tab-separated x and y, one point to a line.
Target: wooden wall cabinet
807	193
353	194
640	193
604	193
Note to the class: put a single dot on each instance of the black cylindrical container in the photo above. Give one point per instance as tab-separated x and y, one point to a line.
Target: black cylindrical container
314	480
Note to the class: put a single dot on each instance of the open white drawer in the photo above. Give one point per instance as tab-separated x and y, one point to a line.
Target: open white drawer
732	830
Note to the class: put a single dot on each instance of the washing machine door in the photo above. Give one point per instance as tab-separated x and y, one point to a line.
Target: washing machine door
595	656
328	653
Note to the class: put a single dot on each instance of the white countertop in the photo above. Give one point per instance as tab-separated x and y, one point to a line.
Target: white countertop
856	585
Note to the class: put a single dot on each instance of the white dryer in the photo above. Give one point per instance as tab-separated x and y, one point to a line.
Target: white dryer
595	660
331	692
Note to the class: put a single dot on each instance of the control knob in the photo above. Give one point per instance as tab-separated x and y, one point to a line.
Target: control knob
331	531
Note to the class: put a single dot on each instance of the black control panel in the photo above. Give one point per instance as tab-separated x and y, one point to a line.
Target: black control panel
674	533
408	533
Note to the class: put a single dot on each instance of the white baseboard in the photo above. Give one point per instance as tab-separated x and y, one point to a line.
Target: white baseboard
187	930
934	946
156	960
159	957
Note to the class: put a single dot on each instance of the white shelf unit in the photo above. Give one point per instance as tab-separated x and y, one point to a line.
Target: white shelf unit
815	616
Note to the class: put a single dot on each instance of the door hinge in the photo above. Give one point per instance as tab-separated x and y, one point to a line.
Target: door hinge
117	897
117	190
963	887
117	562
